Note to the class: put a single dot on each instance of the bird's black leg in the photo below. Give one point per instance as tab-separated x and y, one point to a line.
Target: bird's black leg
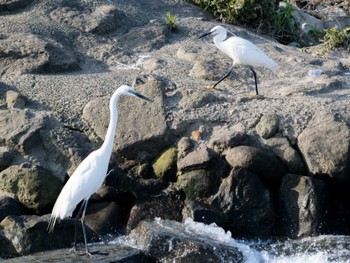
256	82
74	248
224	77
82	220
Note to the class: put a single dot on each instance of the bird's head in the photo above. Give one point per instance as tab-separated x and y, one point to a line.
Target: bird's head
127	90
217	30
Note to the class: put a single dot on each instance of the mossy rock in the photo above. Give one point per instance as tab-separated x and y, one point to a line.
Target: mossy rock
35	188
165	165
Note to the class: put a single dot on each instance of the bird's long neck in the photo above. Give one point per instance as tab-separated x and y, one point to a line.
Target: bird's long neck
107	145
219	39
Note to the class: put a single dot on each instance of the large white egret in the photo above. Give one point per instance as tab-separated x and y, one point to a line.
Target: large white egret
242	51
90	174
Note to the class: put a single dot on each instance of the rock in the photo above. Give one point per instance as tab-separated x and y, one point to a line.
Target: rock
198	184
166	240
281	147
164	166
14	100
44	141
198	99
101	20
197	159
225	138
28	234
13	5
103	217
29	185
262	163
307	22
6	157
184	146
8	206
267	126
304	205
205	69
164	206
29	53
137	139
324	155
246	203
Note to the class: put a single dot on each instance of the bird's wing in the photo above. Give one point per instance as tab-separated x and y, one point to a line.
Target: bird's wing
245	52
80	186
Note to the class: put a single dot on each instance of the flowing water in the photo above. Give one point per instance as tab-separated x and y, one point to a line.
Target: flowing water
320	249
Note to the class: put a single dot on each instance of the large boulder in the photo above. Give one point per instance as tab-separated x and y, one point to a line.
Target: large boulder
8	205
30	187
245	203
324	145
303	206
28	53
265	164
28	234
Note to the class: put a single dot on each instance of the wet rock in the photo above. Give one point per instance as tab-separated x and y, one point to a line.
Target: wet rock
6	157
324	155
28	234
304	204
167	206
30	187
246	203
29	53
14	100
267	126
164	166
101	20
198	184
264	164
104	217
281	147
8	205
169	240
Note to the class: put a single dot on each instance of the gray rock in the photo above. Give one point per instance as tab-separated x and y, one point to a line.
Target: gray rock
8	206
28	234
30	187
184	146
14	100
246	203
13	5
198	184
304	204
6	157
281	147
104	217
323	154
102	19
268	126
29	53
167	206
167	240
265	164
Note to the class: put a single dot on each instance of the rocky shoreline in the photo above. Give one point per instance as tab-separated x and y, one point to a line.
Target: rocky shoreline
277	165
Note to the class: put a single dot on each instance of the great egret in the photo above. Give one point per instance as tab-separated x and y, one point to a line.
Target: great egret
90	174
242	51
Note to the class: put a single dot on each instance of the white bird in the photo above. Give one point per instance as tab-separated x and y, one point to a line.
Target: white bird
91	172
242	51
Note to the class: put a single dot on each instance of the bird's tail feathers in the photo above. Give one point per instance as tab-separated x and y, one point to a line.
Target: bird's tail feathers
52	222
271	64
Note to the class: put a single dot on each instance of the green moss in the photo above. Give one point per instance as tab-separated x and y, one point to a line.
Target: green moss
165	166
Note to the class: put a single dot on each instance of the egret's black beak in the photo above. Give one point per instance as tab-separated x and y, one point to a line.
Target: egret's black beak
206	34
141	96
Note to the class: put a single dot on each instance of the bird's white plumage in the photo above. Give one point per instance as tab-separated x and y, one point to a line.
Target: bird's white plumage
91	172
242	51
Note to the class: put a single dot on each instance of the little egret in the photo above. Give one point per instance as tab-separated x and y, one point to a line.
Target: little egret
90	174
242	51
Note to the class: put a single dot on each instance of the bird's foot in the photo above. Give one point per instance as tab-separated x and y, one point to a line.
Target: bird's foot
255	96
210	87
74	249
